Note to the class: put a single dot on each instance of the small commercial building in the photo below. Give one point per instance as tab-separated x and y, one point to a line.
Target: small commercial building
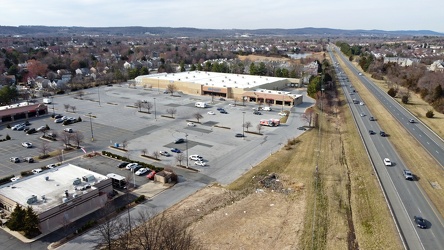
24	110
233	86
58	196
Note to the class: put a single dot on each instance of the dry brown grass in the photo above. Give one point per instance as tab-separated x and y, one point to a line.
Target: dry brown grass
412	153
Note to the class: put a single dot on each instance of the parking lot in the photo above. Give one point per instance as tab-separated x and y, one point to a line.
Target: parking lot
109	117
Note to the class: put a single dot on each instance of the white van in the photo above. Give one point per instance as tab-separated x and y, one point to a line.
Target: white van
266	108
46	100
201	104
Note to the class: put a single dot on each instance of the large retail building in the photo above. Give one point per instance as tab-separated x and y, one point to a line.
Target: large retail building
58	196
260	89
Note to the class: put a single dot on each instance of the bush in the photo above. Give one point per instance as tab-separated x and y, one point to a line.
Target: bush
392	92
79	119
430	114
405	99
140	199
6	179
8	137
8	126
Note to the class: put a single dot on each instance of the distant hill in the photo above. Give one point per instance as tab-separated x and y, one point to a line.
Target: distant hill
193	32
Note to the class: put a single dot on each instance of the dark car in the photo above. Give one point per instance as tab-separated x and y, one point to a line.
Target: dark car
223	111
371	118
58	116
180	140
175	150
257	112
31	131
27	123
382	133
123	164
302	128
28	159
219	109
420	222
221	99
371	132
239	135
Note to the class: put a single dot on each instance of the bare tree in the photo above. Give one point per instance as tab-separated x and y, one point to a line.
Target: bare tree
148	106
78	137
180	157
247	125
163	232
59	156
308	116
44	148
124	144
259	128
171	111
65	138
109	229
73	108
66	106
138	105
171	88
198	116
144	151
156	154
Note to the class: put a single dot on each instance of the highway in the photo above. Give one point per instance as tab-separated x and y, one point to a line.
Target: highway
406	199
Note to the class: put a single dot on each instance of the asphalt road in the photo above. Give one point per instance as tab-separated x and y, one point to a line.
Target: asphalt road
405	197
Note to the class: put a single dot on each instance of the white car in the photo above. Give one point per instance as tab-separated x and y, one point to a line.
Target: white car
282	113
199	163
41	128
196	157
142	171
37	170
15	178
68	130
27	144
164	153
191	124
387	162
361	103
211	113
52	165
131	165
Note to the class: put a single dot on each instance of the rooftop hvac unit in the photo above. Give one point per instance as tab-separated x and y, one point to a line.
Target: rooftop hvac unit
77	181
32	199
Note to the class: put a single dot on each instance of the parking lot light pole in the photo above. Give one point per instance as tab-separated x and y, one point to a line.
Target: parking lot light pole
98	93
243	125
90	123
155	118
186	144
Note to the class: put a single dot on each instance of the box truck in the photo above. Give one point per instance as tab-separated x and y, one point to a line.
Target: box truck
201	104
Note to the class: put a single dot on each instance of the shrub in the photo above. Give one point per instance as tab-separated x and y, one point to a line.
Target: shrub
8	137
8	126
405	99
79	119
6	179
140	199
430	114
392	92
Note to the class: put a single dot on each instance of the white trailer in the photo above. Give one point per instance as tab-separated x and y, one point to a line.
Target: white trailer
201	104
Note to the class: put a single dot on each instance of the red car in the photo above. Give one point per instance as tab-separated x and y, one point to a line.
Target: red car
151	175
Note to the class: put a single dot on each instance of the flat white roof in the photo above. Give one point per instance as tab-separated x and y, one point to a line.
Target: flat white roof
53	189
214	79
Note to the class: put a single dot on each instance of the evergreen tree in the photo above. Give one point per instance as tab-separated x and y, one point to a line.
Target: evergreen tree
31	222
15	222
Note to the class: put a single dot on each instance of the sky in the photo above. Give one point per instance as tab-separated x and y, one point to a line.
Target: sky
228	14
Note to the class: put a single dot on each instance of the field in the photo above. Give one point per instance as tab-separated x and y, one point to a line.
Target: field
318	192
